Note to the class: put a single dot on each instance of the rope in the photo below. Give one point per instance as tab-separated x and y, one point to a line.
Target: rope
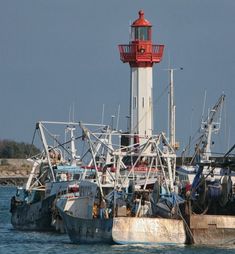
59	143
187	228
31	146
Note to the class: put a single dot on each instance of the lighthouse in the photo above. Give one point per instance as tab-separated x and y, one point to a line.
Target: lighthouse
141	54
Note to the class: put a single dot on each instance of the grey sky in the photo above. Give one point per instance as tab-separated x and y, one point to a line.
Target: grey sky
59	53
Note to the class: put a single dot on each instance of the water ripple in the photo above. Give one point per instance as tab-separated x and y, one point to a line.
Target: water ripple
23	242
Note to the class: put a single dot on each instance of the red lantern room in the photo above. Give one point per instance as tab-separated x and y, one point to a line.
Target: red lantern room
141	29
140	52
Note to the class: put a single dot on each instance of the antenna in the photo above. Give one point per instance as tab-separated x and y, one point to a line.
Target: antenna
204	104
171	107
168	115
118	115
220	113
229	129
102	117
73	112
70	113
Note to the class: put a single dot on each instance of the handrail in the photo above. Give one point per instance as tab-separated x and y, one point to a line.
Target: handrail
139	53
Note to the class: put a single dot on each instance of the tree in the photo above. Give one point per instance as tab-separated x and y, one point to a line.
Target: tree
18	150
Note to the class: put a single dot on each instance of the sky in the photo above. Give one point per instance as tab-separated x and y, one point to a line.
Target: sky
61	56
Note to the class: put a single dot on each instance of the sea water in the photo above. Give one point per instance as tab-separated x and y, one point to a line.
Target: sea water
22	242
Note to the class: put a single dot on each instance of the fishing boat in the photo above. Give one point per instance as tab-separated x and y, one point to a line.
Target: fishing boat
132	198
87	213
211	204
211	198
154	206
82	216
56	167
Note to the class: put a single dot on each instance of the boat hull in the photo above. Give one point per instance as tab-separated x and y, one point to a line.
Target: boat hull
133	230
213	229
36	216
87	230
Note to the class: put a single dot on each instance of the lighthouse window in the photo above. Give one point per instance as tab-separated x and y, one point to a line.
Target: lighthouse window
143	102
135	102
141	33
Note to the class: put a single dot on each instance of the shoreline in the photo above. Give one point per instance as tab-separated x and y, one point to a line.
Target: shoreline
14	172
13	181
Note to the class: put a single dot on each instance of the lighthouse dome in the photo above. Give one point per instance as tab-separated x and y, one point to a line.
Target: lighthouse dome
141	21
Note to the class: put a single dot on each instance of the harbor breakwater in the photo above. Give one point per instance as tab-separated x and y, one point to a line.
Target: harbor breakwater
14	171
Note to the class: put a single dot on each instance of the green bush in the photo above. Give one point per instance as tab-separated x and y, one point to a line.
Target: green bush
17	150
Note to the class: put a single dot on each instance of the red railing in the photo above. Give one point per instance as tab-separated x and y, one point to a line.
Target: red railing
141	53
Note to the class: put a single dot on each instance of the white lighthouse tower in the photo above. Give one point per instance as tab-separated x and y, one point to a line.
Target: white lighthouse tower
141	54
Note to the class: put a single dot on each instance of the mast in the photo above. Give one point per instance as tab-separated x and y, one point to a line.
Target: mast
172	110
73	149
210	126
39	126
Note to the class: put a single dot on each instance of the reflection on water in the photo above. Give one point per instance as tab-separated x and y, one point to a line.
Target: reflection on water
22	242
